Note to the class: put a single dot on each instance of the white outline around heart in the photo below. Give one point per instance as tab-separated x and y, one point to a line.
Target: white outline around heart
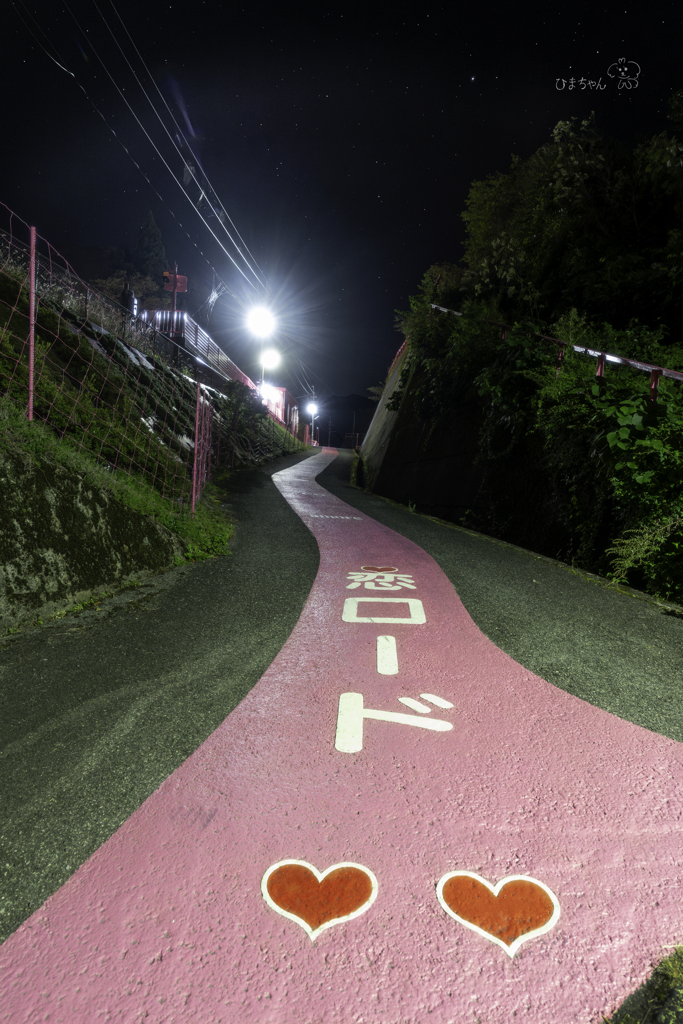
513	947
313	933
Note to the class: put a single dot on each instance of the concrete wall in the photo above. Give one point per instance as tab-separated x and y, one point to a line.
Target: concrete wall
505	492
379	433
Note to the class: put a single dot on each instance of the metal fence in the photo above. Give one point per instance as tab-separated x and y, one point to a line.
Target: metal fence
602	357
101	378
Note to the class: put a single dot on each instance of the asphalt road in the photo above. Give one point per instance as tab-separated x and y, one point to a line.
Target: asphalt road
98	709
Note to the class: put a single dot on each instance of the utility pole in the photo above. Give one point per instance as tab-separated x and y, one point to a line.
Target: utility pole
329	431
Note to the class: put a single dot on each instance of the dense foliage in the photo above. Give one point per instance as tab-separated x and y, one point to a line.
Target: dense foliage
583	242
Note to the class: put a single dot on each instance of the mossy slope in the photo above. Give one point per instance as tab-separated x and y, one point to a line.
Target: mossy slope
64	538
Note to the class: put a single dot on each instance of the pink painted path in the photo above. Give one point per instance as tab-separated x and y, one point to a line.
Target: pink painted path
167	921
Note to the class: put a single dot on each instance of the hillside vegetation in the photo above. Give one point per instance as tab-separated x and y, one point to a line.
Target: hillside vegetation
583	241
97	489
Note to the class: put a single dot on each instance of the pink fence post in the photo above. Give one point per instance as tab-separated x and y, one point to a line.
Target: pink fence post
234	443
600	371
207	431
31	322
197	443
654	384
218	450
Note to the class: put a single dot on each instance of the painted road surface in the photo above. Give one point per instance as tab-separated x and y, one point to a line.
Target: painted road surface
398	824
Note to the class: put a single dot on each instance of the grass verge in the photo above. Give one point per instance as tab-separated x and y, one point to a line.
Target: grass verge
204	536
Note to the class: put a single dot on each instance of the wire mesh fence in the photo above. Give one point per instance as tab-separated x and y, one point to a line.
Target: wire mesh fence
115	386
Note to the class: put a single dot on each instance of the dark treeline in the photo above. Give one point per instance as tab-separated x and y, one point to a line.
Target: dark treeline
582	241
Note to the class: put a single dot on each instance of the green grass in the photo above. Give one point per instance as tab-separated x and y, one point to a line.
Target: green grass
204	536
659	1000
86	407
104	404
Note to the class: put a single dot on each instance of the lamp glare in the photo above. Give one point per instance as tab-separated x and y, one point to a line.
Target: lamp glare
270	359
261	322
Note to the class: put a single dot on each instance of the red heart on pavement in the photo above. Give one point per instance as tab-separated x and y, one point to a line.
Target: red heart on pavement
516	909
378	568
316	901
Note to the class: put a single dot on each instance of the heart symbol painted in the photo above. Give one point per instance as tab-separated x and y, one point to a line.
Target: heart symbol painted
378	568
517	909
318	900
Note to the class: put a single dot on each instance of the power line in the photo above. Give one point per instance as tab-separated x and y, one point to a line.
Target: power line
159	152
124	147
28	29
179	129
188	166
216	293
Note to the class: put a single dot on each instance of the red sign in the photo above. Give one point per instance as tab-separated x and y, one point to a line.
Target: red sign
181	285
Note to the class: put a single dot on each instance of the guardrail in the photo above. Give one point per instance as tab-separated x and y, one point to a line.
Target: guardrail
655	371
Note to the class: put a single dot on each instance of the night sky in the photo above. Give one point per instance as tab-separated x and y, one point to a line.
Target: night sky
342	141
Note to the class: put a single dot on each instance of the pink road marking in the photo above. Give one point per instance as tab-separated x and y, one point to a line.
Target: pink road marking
167	921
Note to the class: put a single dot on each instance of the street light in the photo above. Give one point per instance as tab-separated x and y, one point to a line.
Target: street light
261	321
270	359
313	408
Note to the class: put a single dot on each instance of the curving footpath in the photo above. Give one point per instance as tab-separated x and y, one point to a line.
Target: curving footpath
399	823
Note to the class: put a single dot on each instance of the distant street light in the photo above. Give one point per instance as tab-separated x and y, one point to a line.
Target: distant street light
270	359
313	408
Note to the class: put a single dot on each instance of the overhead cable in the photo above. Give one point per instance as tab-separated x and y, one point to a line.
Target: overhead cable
160	154
188	166
126	150
179	129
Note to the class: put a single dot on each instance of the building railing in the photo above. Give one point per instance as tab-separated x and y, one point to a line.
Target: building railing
179	325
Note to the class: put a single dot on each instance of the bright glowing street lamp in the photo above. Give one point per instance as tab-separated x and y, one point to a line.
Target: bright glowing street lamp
261	322
313	408
270	359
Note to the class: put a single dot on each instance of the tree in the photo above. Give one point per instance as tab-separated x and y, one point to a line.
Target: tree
146	289
583	223
149	255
